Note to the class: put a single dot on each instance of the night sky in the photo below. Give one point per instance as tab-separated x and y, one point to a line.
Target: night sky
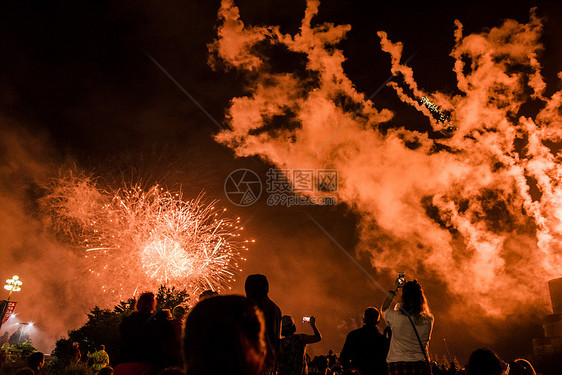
81	88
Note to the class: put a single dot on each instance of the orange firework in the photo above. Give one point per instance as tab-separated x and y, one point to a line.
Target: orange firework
140	239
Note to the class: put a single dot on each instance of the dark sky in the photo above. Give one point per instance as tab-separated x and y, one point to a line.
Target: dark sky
78	76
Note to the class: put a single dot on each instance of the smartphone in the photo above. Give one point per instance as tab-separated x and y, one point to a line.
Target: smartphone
306	319
401	279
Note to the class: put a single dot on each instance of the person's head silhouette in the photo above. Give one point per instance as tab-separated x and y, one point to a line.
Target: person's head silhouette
146	303
484	361
371	316
224	335
257	287
179	312
287	326
521	367
36	360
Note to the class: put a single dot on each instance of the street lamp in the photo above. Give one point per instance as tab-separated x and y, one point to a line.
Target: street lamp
13	285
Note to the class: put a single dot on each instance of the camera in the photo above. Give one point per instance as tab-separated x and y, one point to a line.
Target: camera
306	319
401	279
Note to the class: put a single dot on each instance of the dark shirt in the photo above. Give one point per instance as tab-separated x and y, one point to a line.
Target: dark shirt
272	315
365	349
272	321
74	354
291	356
147	338
178	327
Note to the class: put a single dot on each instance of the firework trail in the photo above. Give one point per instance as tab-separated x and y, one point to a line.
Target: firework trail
137	239
478	207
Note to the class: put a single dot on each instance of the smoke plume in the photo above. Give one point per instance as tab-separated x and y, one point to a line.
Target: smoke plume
55	293
475	204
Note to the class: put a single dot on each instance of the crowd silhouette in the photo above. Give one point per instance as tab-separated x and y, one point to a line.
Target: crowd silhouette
237	335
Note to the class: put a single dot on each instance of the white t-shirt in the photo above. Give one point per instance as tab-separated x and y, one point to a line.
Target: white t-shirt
404	345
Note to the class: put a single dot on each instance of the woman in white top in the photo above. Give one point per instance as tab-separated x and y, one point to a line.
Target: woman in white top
405	356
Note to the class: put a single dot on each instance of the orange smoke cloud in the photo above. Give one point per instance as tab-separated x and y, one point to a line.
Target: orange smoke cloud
55	293
480	210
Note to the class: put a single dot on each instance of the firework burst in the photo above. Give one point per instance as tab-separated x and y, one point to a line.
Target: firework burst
137	238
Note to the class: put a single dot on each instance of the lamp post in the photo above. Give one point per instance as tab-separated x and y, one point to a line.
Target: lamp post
13	285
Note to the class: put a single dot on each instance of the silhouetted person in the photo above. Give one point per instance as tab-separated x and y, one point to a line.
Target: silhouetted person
100	358
172	371
36	361
320	364
257	289
207	294
521	367
452	369
291	360
177	322
365	349
484	362
107	370
24	371
74	354
224	335
336	369
435	368
332	358
147	340
406	356
166	314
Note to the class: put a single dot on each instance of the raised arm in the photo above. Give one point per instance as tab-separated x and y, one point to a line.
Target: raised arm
389	297
311	339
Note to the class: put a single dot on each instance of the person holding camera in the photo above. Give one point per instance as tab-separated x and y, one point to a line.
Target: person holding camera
292	352
411	323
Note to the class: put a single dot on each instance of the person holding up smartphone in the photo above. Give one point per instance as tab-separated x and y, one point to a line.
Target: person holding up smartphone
291	356
411	323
